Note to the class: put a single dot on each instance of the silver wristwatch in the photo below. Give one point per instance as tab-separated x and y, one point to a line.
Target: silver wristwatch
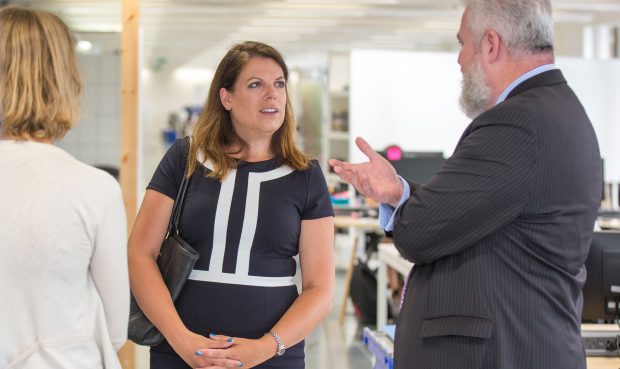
281	346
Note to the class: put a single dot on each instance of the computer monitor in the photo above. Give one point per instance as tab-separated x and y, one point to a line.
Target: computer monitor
601	292
418	166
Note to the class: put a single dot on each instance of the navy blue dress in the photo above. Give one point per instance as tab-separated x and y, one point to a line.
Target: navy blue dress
246	229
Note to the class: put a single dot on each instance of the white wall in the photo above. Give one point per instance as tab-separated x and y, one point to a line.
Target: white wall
597	84
96	138
405	98
163	93
411	99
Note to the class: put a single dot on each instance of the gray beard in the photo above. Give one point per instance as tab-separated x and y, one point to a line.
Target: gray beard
475	93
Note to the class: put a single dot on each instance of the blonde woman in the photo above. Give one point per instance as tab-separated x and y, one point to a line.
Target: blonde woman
254	201
64	291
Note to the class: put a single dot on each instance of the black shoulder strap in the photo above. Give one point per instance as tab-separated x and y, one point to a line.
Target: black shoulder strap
173	224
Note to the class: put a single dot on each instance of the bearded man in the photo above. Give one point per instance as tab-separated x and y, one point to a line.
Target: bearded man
500	234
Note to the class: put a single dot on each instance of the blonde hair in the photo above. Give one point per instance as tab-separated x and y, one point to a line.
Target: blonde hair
214	130
40	81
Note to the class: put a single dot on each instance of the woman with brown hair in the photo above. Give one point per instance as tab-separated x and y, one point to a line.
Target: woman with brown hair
62	223
254	202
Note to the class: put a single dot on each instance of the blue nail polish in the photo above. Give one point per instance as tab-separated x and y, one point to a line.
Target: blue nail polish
230	340
198	353
212	334
240	364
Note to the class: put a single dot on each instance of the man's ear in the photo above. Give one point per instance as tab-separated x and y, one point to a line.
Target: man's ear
490	46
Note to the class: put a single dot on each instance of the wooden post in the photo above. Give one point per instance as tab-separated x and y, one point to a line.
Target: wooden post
129	129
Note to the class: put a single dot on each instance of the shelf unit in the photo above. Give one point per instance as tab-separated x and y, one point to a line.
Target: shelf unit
335	129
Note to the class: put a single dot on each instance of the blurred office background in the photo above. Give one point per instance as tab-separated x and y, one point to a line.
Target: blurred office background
385	57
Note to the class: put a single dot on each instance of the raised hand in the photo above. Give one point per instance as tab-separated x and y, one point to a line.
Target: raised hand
375	178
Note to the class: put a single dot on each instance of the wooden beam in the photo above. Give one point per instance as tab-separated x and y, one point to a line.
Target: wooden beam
129	129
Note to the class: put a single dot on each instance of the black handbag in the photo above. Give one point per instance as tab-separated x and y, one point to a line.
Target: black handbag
176	261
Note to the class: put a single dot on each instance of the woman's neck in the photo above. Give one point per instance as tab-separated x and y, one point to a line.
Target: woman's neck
254	156
258	150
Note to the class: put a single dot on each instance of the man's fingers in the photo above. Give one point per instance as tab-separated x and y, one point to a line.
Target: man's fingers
345	173
334	162
339	168
365	148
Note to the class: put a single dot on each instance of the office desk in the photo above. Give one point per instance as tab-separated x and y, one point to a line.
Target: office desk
358	224
609	223
388	255
357	227
603	362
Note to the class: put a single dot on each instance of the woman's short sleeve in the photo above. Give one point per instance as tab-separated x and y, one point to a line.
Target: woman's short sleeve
169	173
318	201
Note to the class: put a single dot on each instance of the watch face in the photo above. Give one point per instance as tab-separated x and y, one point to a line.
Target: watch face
281	346
281	350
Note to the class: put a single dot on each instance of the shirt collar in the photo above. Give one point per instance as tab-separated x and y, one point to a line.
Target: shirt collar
523	77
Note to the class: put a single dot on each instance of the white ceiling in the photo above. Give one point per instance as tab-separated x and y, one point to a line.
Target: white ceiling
196	33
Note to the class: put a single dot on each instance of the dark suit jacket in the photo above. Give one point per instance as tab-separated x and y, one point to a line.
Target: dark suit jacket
499	237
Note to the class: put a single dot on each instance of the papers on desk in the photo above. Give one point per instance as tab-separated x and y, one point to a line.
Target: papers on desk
381	347
390	330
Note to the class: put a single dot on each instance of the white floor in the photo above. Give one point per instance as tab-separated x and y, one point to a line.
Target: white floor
331	346
337	346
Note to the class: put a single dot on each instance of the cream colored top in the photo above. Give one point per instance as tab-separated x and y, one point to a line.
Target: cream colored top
64	290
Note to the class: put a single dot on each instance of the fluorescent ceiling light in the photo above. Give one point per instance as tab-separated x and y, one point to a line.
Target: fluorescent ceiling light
587	6
442	25
201	10
277	30
386	38
267	38
92	27
369	2
318	13
573	17
193	74
83	46
294	22
78	11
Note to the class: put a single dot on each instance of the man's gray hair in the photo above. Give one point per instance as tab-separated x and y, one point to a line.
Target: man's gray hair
523	25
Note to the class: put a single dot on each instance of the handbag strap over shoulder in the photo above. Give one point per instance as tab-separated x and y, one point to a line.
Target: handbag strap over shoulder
173	224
